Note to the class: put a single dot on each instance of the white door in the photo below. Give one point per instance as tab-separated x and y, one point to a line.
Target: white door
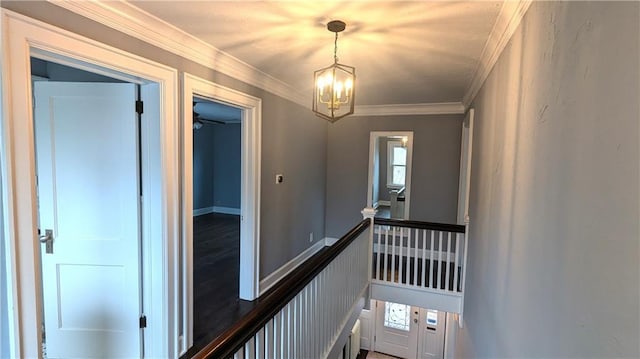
87	166
409	332
432	329
396	329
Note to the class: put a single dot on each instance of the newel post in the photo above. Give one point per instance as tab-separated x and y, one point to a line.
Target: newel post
369	213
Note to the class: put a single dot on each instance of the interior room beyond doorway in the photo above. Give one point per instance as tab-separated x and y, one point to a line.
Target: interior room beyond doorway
216	218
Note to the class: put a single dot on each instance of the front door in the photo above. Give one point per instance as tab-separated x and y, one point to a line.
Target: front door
86	138
409	332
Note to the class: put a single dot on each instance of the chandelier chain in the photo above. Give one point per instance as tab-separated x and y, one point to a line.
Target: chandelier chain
335	49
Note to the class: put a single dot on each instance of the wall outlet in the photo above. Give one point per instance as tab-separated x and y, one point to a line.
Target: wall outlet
279	179
310	237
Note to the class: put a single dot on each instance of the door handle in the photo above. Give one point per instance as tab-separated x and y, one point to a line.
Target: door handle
47	239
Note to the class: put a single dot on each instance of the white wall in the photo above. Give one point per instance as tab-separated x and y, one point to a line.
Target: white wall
553	249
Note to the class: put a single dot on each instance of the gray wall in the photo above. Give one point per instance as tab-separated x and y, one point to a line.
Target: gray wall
216	166
436	166
226	165
290	211
203	164
553	252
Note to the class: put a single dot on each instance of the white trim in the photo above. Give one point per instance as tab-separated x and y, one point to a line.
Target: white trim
373	147
251	132
202	211
329	241
24	36
508	20
129	19
273	278
227	210
435	299
442	108
216	209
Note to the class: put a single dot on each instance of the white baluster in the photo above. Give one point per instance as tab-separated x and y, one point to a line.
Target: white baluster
440	260
431	269
455	265
393	254
415	258
424	256
386	254
448	267
377	274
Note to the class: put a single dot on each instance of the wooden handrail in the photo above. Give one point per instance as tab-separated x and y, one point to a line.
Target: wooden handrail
276	298
444	227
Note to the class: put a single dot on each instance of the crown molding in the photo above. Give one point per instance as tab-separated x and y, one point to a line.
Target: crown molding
127	18
444	108
509	18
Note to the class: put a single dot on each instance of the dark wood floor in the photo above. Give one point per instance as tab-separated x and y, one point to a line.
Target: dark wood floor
216	267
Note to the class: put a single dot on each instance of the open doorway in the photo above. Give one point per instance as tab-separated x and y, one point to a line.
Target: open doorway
150	157
389	185
221	110
216	218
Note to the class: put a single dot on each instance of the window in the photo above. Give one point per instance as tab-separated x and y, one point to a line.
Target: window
397	164
397	316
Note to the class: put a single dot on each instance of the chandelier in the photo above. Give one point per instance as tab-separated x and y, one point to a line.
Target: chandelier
334	86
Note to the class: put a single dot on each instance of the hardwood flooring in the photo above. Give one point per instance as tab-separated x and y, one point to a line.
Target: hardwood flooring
216	272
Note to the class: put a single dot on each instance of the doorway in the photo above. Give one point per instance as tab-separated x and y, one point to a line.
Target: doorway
389	184
216	218
249	109
409	332
156	164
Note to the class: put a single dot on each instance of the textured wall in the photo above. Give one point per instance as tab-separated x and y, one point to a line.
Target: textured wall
436	165
553	250
294	141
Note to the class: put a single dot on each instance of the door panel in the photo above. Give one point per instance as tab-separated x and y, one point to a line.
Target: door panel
87	168
410	332
396	329
432	329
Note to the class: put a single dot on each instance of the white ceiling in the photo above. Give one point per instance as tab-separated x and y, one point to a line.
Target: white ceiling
405	52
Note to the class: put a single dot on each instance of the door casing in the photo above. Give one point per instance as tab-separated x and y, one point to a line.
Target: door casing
25	37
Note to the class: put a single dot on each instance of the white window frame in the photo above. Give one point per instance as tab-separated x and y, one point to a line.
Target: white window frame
390	146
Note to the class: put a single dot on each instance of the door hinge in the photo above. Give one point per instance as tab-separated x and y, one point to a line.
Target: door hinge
143	321
139	107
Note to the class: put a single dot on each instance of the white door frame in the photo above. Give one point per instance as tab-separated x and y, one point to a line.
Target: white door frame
24	37
249	190
374	138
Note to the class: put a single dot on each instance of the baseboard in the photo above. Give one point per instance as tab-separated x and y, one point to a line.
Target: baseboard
290	266
329	241
216	209
201	211
226	210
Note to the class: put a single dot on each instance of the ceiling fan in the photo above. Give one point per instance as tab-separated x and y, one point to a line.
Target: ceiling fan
199	121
